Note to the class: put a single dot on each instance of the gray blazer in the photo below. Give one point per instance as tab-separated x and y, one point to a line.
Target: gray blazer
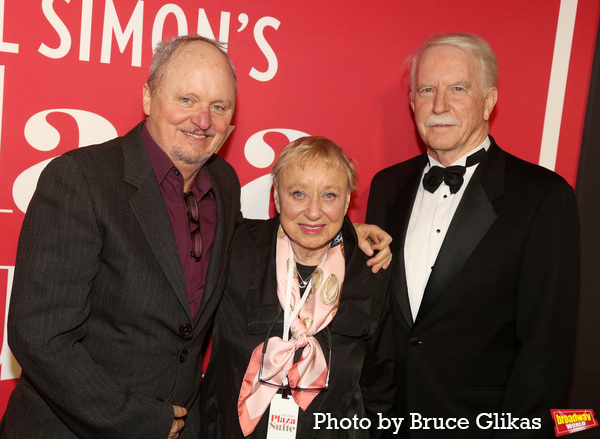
99	317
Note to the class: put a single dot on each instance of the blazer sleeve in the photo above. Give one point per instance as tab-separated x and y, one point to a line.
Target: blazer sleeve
376	205
546	312
378	377
57	260
378	374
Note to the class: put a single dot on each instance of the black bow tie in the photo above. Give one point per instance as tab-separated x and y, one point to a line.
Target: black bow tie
452	175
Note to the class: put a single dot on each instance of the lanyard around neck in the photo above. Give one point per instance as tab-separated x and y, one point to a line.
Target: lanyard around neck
290	315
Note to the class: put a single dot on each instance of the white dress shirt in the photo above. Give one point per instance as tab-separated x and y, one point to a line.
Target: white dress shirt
429	221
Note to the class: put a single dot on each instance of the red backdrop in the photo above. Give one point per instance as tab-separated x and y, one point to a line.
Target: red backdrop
71	74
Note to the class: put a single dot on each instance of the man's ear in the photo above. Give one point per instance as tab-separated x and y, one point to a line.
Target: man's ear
490	102
146	99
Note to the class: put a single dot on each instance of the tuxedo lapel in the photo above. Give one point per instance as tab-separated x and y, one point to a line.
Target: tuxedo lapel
151	213
397	218
473	218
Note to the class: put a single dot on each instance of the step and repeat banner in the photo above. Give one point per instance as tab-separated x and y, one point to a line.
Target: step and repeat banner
72	71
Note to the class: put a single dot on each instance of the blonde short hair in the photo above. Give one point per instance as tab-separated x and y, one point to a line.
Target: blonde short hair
307	149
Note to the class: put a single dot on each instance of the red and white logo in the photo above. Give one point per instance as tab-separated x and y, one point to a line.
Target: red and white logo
572	421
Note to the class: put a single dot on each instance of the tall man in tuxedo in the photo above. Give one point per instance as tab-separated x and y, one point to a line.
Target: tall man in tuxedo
121	263
485	281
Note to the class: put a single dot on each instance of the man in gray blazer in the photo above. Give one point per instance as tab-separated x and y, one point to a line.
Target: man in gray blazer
122	260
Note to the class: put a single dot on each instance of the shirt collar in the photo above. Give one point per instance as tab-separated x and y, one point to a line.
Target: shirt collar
162	165
461	161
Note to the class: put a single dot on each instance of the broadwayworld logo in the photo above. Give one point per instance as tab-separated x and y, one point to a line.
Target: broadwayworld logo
572	421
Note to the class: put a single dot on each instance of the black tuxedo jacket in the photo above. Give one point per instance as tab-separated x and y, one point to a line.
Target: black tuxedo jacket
99	316
495	330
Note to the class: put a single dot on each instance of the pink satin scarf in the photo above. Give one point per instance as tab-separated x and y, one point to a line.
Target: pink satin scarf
315	314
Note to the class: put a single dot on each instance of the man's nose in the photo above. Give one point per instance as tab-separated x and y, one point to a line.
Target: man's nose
202	119
440	103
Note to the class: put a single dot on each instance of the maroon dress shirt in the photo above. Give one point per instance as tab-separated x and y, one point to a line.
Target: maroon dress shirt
171	185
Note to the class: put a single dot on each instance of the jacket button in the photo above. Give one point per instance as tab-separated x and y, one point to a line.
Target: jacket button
415	341
183	356
185	329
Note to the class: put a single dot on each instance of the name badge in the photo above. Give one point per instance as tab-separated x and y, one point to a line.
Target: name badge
283	418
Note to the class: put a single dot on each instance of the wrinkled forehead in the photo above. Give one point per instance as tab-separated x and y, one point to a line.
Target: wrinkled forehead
448	63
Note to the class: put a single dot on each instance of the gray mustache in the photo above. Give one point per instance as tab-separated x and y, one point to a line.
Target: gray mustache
444	119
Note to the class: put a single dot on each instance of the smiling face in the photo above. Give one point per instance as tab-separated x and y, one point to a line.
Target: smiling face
312	201
450	109
191	108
